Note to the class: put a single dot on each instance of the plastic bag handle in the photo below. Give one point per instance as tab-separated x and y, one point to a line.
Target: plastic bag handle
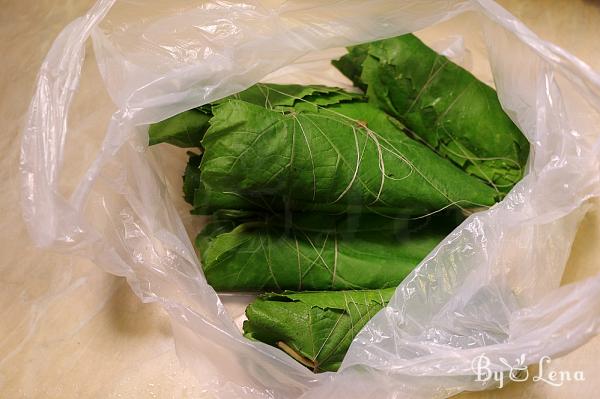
48	215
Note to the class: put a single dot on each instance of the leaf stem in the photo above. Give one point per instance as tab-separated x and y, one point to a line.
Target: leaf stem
304	360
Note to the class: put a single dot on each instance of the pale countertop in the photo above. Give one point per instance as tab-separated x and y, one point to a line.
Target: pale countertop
70	330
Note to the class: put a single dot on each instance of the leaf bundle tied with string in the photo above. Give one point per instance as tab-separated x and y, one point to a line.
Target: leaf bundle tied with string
316	251
441	104
315	328
335	155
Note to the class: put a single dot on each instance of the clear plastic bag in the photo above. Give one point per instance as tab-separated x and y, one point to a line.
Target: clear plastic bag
492	287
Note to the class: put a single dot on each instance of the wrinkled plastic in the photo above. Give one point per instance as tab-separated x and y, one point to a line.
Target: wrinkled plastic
491	287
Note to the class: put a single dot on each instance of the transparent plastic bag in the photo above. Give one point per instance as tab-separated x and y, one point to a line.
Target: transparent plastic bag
491	287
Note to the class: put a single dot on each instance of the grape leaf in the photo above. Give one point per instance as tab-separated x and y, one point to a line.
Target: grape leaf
316	328
186	129
351	64
191	177
183	130
316	251
442	104
347	157
278	96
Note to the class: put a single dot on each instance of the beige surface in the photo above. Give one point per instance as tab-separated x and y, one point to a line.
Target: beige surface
70	330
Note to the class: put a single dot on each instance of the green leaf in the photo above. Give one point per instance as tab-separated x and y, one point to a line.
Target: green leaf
351	64
187	128
316	251
347	157
444	105
191	177
277	96
183	130
316	328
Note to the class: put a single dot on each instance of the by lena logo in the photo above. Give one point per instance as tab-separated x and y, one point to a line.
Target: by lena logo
517	371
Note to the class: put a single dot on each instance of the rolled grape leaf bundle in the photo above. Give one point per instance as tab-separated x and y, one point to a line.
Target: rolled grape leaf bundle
441	103
348	157
317	252
331	154
315	328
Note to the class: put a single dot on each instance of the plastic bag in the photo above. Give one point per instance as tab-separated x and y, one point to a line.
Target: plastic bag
490	288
